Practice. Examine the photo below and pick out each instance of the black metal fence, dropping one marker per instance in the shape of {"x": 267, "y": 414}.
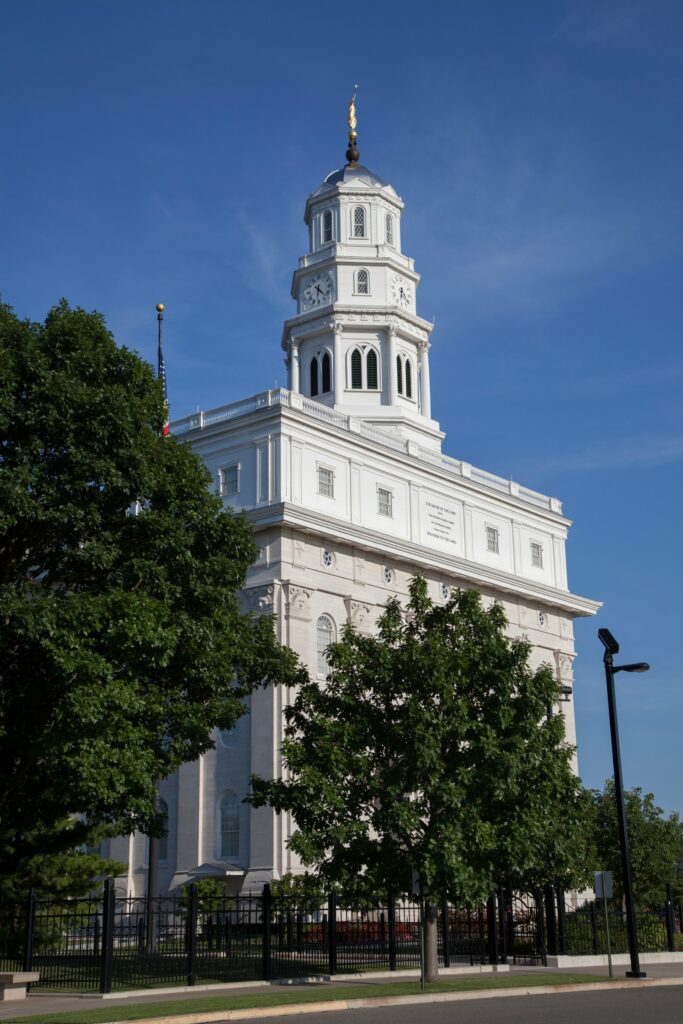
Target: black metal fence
{"x": 114, "y": 943}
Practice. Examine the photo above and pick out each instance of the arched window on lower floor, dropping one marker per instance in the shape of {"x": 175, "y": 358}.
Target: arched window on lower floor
{"x": 325, "y": 635}
{"x": 371, "y": 368}
{"x": 314, "y": 376}
{"x": 163, "y": 840}
{"x": 229, "y": 825}
{"x": 326, "y": 373}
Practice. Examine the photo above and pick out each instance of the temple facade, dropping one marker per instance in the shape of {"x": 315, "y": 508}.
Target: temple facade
{"x": 344, "y": 480}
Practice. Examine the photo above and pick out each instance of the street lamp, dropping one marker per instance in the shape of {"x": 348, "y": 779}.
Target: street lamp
{"x": 611, "y": 648}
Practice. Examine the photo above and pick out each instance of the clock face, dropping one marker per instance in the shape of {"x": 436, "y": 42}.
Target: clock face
{"x": 318, "y": 291}
{"x": 401, "y": 292}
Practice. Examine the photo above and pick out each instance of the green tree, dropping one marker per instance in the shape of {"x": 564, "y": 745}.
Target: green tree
{"x": 121, "y": 636}
{"x": 430, "y": 748}
{"x": 654, "y": 843}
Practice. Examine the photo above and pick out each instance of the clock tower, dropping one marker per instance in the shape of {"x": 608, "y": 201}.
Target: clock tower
{"x": 356, "y": 343}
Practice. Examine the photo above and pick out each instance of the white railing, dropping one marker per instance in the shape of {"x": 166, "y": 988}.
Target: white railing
{"x": 280, "y": 396}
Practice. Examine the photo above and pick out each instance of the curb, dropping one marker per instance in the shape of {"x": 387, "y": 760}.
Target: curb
{"x": 298, "y": 1009}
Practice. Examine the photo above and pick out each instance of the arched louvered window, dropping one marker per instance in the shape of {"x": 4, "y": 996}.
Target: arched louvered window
{"x": 229, "y": 819}
{"x": 314, "y": 376}
{"x": 371, "y": 368}
{"x": 356, "y": 369}
{"x": 324, "y": 637}
{"x": 399, "y": 374}
{"x": 163, "y": 840}
{"x": 389, "y": 221}
{"x": 362, "y": 282}
{"x": 359, "y": 222}
{"x": 327, "y": 226}
{"x": 409, "y": 379}
{"x": 326, "y": 373}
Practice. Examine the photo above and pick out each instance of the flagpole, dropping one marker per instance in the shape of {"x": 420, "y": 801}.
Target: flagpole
{"x": 153, "y": 841}
{"x": 161, "y": 369}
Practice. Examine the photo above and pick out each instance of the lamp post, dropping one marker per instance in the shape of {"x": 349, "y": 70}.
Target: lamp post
{"x": 611, "y": 648}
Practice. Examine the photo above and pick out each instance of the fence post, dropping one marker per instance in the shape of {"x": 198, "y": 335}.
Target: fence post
{"x": 502, "y": 920}
{"x": 492, "y": 938}
{"x": 445, "y": 936}
{"x": 266, "y": 911}
{"x": 391, "y": 921}
{"x": 594, "y": 928}
{"x": 107, "y": 954}
{"x": 670, "y": 921}
{"x": 561, "y": 922}
{"x": 332, "y": 931}
{"x": 551, "y": 920}
{"x": 29, "y": 930}
{"x": 540, "y": 926}
{"x": 192, "y": 916}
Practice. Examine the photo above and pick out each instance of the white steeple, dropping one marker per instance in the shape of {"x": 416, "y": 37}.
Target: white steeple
{"x": 356, "y": 342}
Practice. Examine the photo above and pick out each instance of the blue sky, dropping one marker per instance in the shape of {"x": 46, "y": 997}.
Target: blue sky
{"x": 164, "y": 151}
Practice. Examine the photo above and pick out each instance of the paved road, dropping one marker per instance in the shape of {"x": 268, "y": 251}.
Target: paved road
{"x": 635, "y": 1006}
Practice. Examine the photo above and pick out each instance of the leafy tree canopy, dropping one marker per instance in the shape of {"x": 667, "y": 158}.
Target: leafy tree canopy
{"x": 120, "y": 634}
{"x": 430, "y": 747}
{"x": 655, "y": 843}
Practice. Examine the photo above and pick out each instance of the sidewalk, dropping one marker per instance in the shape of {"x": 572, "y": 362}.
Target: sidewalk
{"x": 38, "y": 1005}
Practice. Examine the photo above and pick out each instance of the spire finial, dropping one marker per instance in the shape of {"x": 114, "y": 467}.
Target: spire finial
{"x": 352, "y": 154}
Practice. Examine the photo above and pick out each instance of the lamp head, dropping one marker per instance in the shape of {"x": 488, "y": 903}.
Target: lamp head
{"x": 638, "y": 666}
{"x": 608, "y": 641}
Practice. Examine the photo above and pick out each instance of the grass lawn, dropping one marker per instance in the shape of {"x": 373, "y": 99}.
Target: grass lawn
{"x": 210, "y": 1004}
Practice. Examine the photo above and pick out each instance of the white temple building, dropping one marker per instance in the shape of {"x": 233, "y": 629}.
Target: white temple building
{"x": 343, "y": 477}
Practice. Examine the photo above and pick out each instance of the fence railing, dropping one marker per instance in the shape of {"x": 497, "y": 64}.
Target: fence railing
{"x": 105, "y": 944}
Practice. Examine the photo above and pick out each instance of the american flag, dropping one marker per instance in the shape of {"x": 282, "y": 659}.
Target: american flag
{"x": 161, "y": 373}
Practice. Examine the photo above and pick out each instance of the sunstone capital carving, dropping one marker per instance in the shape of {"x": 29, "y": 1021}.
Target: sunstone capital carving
{"x": 564, "y": 666}
{"x": 358, "y": 613}
{"x": 298, "y": 602}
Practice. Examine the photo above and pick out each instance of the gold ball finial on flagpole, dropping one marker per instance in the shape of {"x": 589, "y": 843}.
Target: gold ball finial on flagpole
{"x": 160, "y": 307}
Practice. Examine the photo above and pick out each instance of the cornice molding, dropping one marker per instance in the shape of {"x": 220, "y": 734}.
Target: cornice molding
{"x": 412, "y": 553}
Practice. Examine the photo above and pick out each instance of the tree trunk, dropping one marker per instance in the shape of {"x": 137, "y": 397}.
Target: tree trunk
{"x": 431, "y": 942}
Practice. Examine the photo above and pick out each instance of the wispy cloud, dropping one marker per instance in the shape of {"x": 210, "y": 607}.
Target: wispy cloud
{"x": 625, "y": 454}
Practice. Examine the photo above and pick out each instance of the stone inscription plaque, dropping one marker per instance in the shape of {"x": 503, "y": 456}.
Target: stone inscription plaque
{"x": 439, "y": 523}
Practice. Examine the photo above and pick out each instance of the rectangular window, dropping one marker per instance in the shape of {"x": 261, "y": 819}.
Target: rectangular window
{"x": 492, "y": 540}
{"x": 537, "y": 555}
{"x": 384, "y": 502}
{"x": 326, "y": 482}
{"x": 230, "y": 480}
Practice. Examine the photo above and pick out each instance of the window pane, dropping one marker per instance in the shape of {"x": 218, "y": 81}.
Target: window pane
{"x": 399, "y": 374}
{"x": 362, "y": 282}
{"x": 324, "y": 637}
{"x": 537, "y": 555}
{"x": 390, "y": 229}
{"x": 325, "y": 482}
{"x": 327, "y": 375}
{"x": 230, "y": 826}
{"x": 409, "y": 379}
{"x": 384, "y": 501}
{"x": 230, "y": 480}
{"x": 314, "y": 376}
{"x": 372, "y": 368}
{"x": 491, "y": 539}
{"x": 356, "y": 369}
{"x": 327, "y": 226}
{"x": 359, "y": 222}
